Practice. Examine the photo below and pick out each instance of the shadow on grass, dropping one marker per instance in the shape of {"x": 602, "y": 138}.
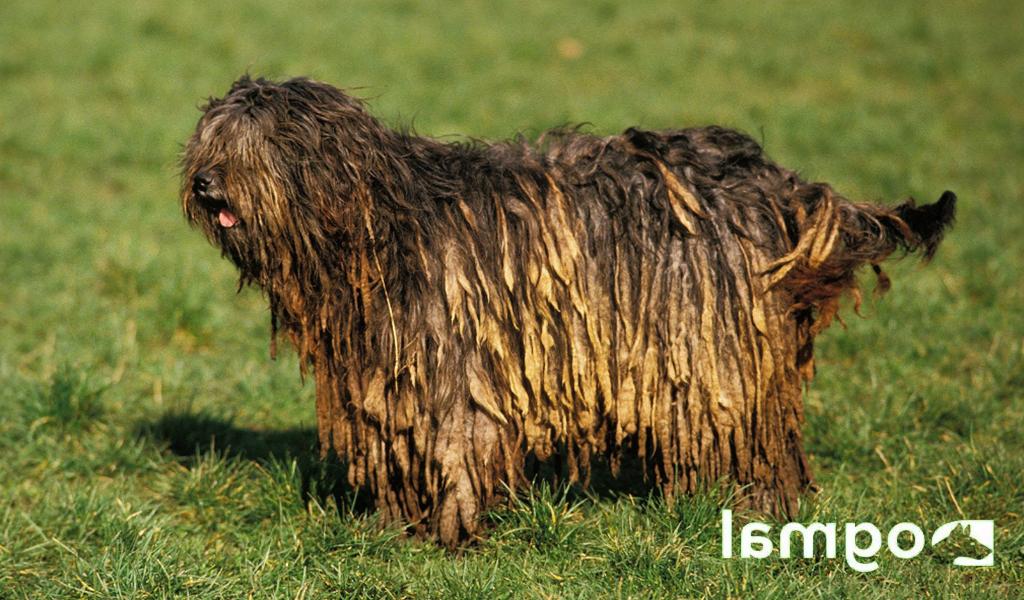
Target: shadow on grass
{"x": 188, "y": 435}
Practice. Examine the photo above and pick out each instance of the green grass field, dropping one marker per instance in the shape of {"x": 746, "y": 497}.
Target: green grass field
{"x": 149, "y": 447}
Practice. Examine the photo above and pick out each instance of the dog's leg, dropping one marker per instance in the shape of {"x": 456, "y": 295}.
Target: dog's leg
{"x": 471, "y": 457}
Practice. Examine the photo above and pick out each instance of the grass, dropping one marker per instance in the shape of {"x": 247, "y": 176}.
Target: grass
{"x": 150, "y": 448}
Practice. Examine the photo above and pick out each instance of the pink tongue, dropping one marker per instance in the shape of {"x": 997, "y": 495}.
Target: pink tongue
{"x": 227, "y": 218}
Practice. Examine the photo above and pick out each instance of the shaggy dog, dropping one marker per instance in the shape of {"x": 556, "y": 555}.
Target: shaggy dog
{"x": 469, "y": 309}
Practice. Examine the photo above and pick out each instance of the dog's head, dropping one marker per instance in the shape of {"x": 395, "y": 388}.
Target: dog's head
{"x": 274, "y": 170}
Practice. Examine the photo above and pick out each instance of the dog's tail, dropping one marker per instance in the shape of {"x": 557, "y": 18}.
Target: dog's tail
{"x": 834, "y": 237}
{"x": 927, "y": 224}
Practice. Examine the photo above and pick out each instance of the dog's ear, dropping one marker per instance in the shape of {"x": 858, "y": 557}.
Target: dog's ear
{"x": 645, "y": 141}
{"x": 243, "y": 82}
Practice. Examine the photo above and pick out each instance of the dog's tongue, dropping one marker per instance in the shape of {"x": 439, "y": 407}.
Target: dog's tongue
{"x": 227, "y": 218}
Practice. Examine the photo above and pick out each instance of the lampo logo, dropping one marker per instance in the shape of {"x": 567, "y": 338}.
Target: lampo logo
{"x": 904, "y": 540}
{"x": 981, "y": 532}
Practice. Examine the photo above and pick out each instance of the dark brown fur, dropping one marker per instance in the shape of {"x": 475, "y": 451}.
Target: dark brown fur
{"x": 465, "y": 307}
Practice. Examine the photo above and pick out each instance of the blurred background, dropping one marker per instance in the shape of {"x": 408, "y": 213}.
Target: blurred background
{"x": 150, "y": 447}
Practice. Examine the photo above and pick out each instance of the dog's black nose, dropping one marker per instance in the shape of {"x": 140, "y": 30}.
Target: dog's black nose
{"x": 201, "y": 183}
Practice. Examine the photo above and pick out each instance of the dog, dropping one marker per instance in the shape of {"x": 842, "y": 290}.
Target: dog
{"x": 470, "y": 309}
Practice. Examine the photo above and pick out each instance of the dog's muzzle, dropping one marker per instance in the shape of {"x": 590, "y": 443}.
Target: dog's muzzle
{"x": 206, "y": 196}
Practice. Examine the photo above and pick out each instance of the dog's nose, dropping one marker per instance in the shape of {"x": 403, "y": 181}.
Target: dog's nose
{"x": 201, "y": 183}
